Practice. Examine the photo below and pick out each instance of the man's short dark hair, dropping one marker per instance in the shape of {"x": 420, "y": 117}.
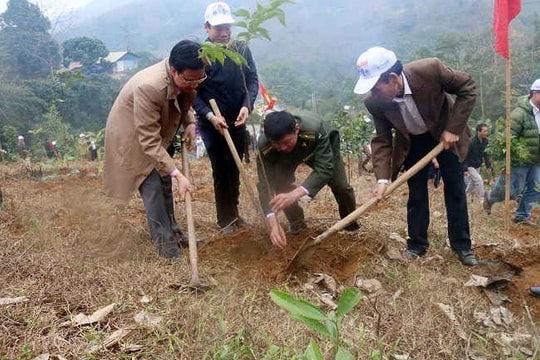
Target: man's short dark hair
{"x": 479, "y": 127}
{"x": 397, "y": 68}
{"x": 185, "y": 55}
{"x": 278, "y": 124}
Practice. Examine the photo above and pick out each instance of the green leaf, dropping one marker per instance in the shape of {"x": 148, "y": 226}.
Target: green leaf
{"x": 333, "y": 333}
{"x": 313, "y": 352}
{"x": 241, "y": 24}
{"x": 281, "y": 16}
{"x": 242, "y": 13}
{"x": 314, "y": 325}
{"x": 234, "y": 56}
{"x": 244, "y": 35}
{"x": 343, "y": 354}
{"x": 264, "y": 33}
{"x": 348, "y": 300}
{"x": 297, "y": 307}
{"x": 375, "y": 355}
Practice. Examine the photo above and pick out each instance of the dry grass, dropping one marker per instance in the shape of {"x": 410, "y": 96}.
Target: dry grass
{"x": 69, "y": 251}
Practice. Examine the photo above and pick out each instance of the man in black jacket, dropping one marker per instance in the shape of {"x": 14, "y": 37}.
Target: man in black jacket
{"x": 475, "y": 157}
{"x": 234, "y": 88}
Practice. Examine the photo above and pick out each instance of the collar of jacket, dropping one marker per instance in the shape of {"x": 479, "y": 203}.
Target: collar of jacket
{"x": 171, "y": 87}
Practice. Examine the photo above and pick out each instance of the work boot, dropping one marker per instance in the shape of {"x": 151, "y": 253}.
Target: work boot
{"x": 297, "y": 227}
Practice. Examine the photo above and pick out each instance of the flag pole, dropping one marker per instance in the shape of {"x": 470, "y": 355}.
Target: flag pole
{"x": 508, "y": 135}
{"x": 504, "y": 12}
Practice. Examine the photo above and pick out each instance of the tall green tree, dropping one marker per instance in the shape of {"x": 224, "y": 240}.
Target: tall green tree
{"x": 19, "y": 106}
{"x": 84, "y": 49}
{"x": 28, "y": 49}
{"x": 88, "y": 100}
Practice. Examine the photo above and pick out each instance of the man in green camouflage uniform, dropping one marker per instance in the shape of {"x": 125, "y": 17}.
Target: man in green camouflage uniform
{"x": 289, "y": 140}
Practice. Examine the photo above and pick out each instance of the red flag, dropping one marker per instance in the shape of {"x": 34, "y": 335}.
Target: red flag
{"x": 505, "y": 11}
{"x": 266, "y": 97}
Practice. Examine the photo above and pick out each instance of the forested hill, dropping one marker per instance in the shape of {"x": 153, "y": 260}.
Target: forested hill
{"x": 317, "y": 31}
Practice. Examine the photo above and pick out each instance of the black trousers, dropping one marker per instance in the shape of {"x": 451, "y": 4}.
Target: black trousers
{"x": 156, "y": 193}
{"x": 224, "y": 171}
{"x": 454, "y": 197}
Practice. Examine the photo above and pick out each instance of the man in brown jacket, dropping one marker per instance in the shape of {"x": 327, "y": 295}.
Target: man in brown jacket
{"x": 413, "y": 110}
{"x": 139, "y": 139}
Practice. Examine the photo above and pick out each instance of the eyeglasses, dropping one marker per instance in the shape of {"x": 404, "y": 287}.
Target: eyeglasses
{"x": 193, "y": 82}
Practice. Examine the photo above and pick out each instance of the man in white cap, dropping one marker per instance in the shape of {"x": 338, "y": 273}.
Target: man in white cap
{"x": 22, "y": 150}
{"x": 234, "y": 88}
{"x": 413, "y": 110}
{"x": 524, "y": 174}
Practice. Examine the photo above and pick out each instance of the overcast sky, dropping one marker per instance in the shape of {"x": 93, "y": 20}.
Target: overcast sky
{"x": 51, "y": 7}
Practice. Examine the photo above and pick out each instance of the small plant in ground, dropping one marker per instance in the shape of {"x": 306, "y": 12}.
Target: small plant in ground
{"x": 238, "y": 348}
{"x": 315, "y": 318}
{"x": 26, "y": 352}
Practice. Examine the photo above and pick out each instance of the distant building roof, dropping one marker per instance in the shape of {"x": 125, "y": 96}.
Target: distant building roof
{"x": 114, "y": 56}
{"x": 75, "y": 65}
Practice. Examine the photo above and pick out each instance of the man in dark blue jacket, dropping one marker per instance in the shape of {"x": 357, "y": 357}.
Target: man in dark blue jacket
{"x": 234, "y": 88}
{"x": 475, "y": 157}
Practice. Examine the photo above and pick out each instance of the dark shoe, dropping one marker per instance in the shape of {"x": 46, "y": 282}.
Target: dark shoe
{"x": 466, "y": 257}
{"x": 229, "y": 229}
{"x": 297, "y": 227}
{"x": 352, "y": 226}
{"x": 167, "y": 249}
{"x": 487, "y": 204}
{"x": 525, "y": 222}
{"x": 412, "y": 254}
{"x": 535, "y": 291}
{"x": 242, "y": 222}
{"x": 169, "y": 252}
{"x": 183, "y": 240}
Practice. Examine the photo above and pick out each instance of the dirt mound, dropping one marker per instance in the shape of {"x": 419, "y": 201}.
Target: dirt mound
{"x": 249, "y": 250}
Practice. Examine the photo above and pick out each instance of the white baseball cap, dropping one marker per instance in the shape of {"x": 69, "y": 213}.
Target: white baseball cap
{"x": 20, "y": 137}
{"x": 536, "y": 85}
{"x": 370, "y": 65}
{"x": 218, "y": 13}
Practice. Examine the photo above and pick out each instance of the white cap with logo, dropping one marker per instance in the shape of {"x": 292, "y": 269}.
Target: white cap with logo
{"x": 370, "y": 65}
{"x": 536, "y": 85}
{"x": 218, "y": 13}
